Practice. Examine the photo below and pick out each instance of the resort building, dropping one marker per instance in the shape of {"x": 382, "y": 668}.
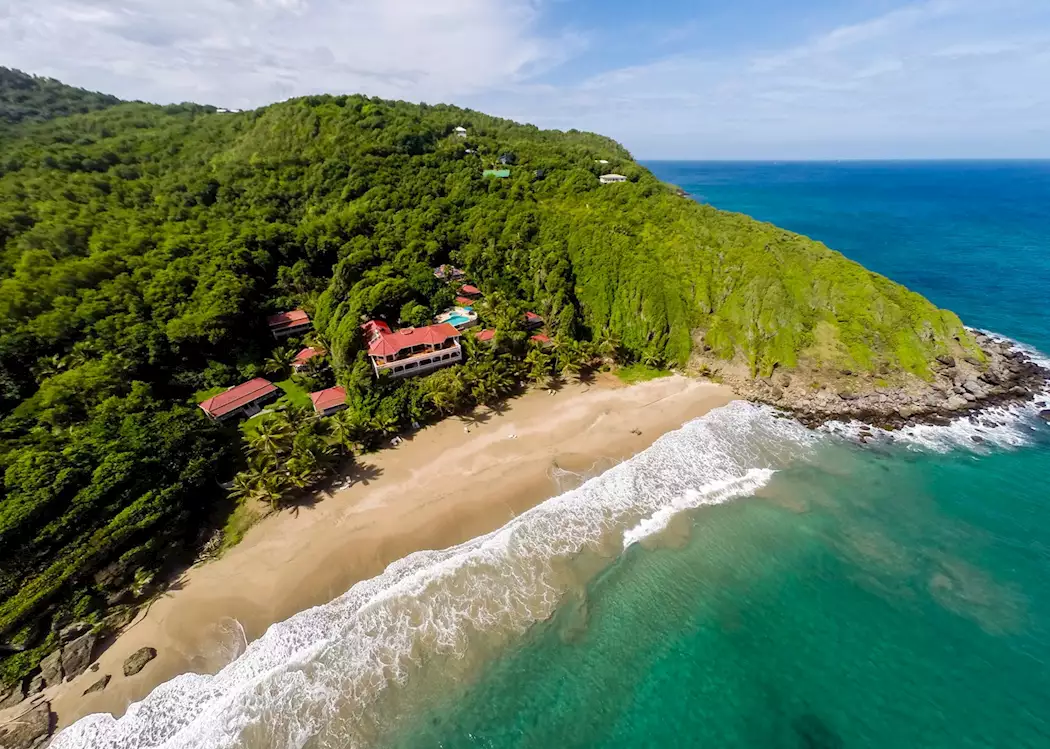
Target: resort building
{"x": 462, "y": 301}
{"x": 460, "y": 317}
{"x": 484, "y": 336}
{"x": 303, "y": 357}
{"x": 541, "y": 339}
{"x": 289, "y": 323}
{"x": 413, "y": 351}
{"x": 448, "y": 273}
{"x": 471, "y": 292}
{"x": 609, "y": 179}
{"x": 460, "y": 132}
{"x": 373, "y": 329}
{"x": 533, "y": 321}
{"x": 330, "y": 401}
{"x": 245, "y": 400}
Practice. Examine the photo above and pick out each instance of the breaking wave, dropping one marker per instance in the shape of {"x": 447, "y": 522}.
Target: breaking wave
{"x": 318, "y": 676}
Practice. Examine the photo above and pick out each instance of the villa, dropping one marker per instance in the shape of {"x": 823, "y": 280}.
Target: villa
{"x": 609, "y": 179}
{"x": 541, "y": 339}
{"x": 303, "y": 357}
{"x": 246, "y": 399}
{"x": 532, "y": 321}
{"x": 461, "y": 132}
{"x": 471, "y": 292}
{"x": 329, "y": 401}
{"x": 413, "y": 351}
{"x": 373, "y": 329}
{"x": 289, "y": 323}
{"x": 485, "y": 336}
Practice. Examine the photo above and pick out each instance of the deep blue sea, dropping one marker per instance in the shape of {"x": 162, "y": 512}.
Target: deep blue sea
{"x": 743, "y": 584}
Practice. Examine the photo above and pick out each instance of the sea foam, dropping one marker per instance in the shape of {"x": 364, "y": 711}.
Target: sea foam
{"x": 315, "y": 678}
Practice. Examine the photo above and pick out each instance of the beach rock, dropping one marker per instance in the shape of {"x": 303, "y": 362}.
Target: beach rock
{"x": 948, "y": 361}
{"x": 99, "y": 685}
{"x": 73, "y": 631}
{"x": 974, "y": 387}
{"x": 955, "y": 403}
{"x": 972, "y": 360}
{"x": 13, "y": 696}
{"x": 30, "y": 731}
{"x": 77, "y": 655}
{"x": 138, "y": 660}
{"x": 36, "y": 685}
{"x": 1044, "y": 415}
{"x": 51, "y": 668}
{"x": 978, "y": 440}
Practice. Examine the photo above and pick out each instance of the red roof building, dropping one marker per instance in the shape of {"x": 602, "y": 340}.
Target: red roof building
{"x": 468, "y": 290}
{"x": 463, "y": 301}
{"x": 540, "y": 339}
{"x": 246, "y": 399}
{"x": 300, "y": 360}
{"x": 330, "y": 401}
{"x": 289, "y": 323}
{"x": 414, "y": 350}
{"x": 485, "y": 336}
{"x": 532, "y": 320}
{"x": 373, "y": 329}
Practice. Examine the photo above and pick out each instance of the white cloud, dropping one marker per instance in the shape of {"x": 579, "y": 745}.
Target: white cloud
{"x": 943, "y": 78}
{"x": 251, "y": 52}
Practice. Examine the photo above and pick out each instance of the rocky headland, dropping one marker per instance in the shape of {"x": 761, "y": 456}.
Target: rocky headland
{"x": 960, "y": 386}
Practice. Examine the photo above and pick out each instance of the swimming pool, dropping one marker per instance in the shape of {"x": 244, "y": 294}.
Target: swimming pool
{"x": 457, "y": 320}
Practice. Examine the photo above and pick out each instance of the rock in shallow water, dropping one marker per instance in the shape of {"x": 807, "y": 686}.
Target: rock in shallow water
{"x": 138, "y": 660}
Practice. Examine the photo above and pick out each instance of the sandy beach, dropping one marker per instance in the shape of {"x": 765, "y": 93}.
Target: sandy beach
{"x": 443, "y": 485}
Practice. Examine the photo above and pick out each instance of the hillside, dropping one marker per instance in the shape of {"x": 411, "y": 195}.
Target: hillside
{"x": 141, "y": 248}
{"x": 30, "y": 98}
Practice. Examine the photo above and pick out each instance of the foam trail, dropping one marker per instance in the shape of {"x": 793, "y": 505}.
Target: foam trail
{"x": 716, "y": 493}
{"x": 316, "y": 678}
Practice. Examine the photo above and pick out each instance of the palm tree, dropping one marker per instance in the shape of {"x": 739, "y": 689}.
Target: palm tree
{"x": 271, "y": 490}
{"x": 244, "y": 486}
{"x": 271, "y": 438}
{"x": 609, "y": 346}
{"x": 280, "y": 360}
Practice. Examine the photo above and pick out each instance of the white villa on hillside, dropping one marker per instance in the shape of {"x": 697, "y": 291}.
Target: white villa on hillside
{"x": 609, "y": 179}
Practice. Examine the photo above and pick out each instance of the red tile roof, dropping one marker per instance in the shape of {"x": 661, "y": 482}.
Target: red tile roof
{"x": 330, "y": 398}
{"x": 237, "y": 397}
{"x": 389, "y": 344}
{"x": 306, "y": 355}
{"x": 532, "y": 317}
{"x": 374, "y": 328}
{"x": 462, "y": 301}
{"x": 470, "y": 290}
{"x": 288, "y": 319}
{"x": 485, "y": 335}
{"x": 540, "y": 338}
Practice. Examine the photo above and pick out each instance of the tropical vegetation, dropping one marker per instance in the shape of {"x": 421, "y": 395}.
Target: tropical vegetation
{"x": 142, "y": 247}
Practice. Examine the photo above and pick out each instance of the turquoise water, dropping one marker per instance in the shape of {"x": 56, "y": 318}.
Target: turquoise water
{"x": 744, "y": 583}
{"x": 458, "y": 320}
{"x": 895, "y": 597}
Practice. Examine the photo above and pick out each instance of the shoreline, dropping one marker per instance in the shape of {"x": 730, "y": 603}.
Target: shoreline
{"x": 444, "y": 485}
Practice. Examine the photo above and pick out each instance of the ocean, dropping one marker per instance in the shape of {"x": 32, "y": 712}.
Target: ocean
{"x": 745, "y": 582}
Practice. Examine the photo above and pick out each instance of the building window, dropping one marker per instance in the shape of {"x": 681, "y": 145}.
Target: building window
{"x": 399, "y": 369}
{"x": 413, "y": 365}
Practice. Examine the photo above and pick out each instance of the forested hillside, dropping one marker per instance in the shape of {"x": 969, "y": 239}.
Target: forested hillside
{"x": 25, "y": 98}
{"x": 141, "y": 248}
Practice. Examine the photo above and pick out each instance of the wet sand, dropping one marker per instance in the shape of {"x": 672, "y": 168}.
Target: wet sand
{"x": 442, "y": 486}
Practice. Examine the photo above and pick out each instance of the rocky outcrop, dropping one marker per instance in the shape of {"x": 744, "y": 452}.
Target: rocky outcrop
{"x": 99, "y": 685}
{"x": 959, "y": 386}
{"x": 12, "y": 696}
{"x": 30, "y": 730}
{"x": 76, "y": 656}
{"x": 138, "y": 660}
{"x": 51, "y": 669}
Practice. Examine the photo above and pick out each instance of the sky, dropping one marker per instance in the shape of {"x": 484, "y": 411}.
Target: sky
{"x": 706, "y": 79}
